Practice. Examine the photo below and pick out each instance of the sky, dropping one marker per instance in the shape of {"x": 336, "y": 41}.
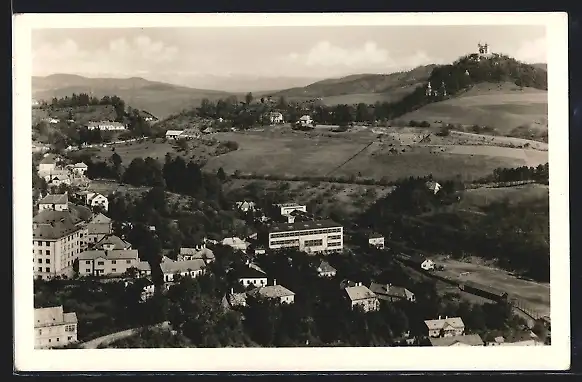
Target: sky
{"x": 181, "y": 55}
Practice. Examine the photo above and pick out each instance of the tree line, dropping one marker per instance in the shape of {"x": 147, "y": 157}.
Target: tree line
{"x": 84, "y": 99}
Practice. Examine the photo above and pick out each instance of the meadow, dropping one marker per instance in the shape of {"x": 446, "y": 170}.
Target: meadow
{"x": 504, "y": 107}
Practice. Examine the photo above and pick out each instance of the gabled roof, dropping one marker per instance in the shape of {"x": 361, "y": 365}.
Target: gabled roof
{"x": 250, "y": 273}
{"x": 80, "y": 165}
{"x": 116, "y": 241}
{"x": 271, "y": 291}
{"x": 236, "y": 299}
{"x": 100, "y": 219}
{"x": 325, "y": 267}
{"x": 483, "y": 287}
{"x": 53, "y": 316}
{"x": 388, "y": 290}
{"x": 53, "y": 225}
{"x": 375, "y": 235}
{"x": 181, "y": 266}
{"x": 129, "y": 254}
{"x": 55, "y": 199}
{"x": 174, "y": 132}
{"x": 203, "y": 253}
{"x": 233, "y": 241}
{"x": 305, "y": 118}
{"x": 468, "y": 340}
{"x": 359, "y": 292}
{"x": 49, "y": 159}
{"x": 95, "y": 196}
{"x": 455, "y": 322}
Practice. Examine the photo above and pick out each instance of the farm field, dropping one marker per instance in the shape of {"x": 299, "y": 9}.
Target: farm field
{"x": 292, "y": 153}
{"x": 129, "y": 151}
{"x": 535, "y": 294}
{"x": 368, "y": 98}
{"x": 481, "y": 197}
{"x": 502, "y": 107}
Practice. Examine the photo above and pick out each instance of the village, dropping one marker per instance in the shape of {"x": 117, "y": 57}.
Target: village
{"x": 75, "y": 240}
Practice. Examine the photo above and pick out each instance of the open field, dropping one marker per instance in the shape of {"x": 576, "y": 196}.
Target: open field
{"x": 360, "y": 152}
{"x": 368, "y": 98}
{"x": 481, "y": 197}
{"x": 503, "y": 107}
{"x": 294, "y": 153}
{"x": 535, "y": 294}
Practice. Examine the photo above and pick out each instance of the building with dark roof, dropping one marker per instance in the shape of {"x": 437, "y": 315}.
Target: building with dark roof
{"x": 57, "y": 241}
{"x": 251, "y": 276}
{"x": 462, "y": 340}
{"x": 112, "y": 242}
{"x": 483, "y": 290}
{"x": 310, "y": 236}
{"x": 56, "y": 202}
{"x": 389, "y": 292}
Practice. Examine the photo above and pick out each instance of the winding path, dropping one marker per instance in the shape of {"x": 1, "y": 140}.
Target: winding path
{"x": 113, "y": 337}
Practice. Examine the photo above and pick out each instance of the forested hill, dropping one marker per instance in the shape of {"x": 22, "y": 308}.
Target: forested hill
{"x": 466, "y": 72}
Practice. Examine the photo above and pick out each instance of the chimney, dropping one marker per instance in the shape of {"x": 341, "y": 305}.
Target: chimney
{"x": 274, "y": 281}
{"x": 231, "y": 290}
{"x": 446, "y": 317}
{"x": 440, "y": 318}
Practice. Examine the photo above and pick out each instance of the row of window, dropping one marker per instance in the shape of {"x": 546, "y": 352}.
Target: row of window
{"x": 313, "y": 243}
{"x": 305, "y": 233}
{"x": 103, "y": 263}
{"x": 334, "y": 237}
{"x": 285, "y": 242}
{"x": 334, "y": 244}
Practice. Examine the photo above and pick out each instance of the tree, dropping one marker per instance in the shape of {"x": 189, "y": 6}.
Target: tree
{"x": 221, "y": 175}
{"x": 249, "y": 98}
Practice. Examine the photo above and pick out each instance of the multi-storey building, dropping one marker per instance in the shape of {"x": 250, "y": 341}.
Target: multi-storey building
{"x": 54, "y": 328}
{"x": 107, "y": 263}
{"x": 55, "y": 202}
{"x": 309, "y": 236}
{"x": 57, "y": 241}
{"x": 287, "y": 208}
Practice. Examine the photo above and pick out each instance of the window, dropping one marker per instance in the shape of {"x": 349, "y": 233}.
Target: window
{"x": 69, "y": 328}
{"x": 113, "y": 270}
{"x": 40, "y": 251}
{"x": 113, "y": 262}
{"x": 40, "y": 261}
{"x": 128, "y": 261}
{"x": 47, "y": 261}
{"x": 46, "y": 243}
{"x": 40, "y": 269}
{"x": 87, "y": 270}
{"x": 48, "y": 269}
{"x": 39, "y": 243}
{"x": 49, "y": 340}
{"x": 47, "y": 252}
{"x": 58, "y": 339}
{"x": 100, "y": 263}
{"x": 88, "y": 262}
{"x": 69, "y": 338}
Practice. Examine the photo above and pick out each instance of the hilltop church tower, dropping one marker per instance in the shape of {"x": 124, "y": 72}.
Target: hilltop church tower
{"x": 428, "y": 90}
{"x": 484, "y": 50}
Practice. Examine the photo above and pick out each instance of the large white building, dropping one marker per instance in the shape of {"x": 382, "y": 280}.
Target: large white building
{"x": 57, "y": 241}
{"x": 309, "y": 236}
{"x": 54, "y": 328}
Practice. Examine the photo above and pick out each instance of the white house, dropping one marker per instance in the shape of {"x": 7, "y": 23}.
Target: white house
{"x": 376, "y": 240}
{"x": 173, "y": 134}
{"x": 273, "y": 292}
{"x": 55, "y": 202}
{"x": 252, "y": 276}
{"x": 80, "y": 168}
{"x": 94, "y": 199}
{"x": 235, "y": 243}
{"x": 54, "y": 120}
{"x": 427, "y": 265}
{"x": 360, "y": 295}
{"x": 47, "y": 165}
{"x": 445, "y": 327}
{"x": 326, "y": 270}
{"x": 276, "y": 117}
{"x": 305, "y": 120}
{"x": 187, "y": 268}
{"x": 58, "y": 177}
{"x": 434, "y": 187}
{"x": 245, "y": 206}
{"x": 54, "y": 328}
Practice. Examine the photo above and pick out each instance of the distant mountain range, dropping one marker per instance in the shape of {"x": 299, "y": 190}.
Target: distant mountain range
{"x": 164, "y": 98}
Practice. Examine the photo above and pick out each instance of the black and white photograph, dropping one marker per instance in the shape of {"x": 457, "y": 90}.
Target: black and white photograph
{"x": 240, "y": 191}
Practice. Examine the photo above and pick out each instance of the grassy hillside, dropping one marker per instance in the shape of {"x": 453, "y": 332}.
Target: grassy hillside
{"x": 508, "y": 108}
{"x": 360, "y": 84}
{"x": 159, "y": 98}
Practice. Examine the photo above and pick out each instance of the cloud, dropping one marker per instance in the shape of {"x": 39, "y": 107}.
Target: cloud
{"x": 120, "y": 56}
{"x": 533, "y": 51}
{"x": 325, "y": 57}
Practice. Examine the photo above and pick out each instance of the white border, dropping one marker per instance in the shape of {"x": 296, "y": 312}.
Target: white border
{"x": 554, "y": 357}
